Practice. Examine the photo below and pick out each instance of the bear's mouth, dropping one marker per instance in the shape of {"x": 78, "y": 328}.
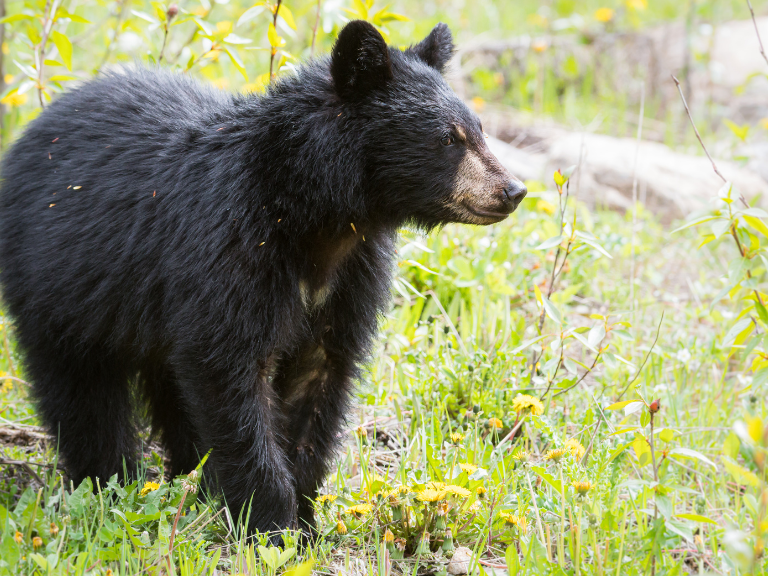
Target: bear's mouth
{"x": 491, "y": 216}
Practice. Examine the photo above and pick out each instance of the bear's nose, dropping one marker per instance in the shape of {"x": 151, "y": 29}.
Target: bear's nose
{"x": 514, "y": 192}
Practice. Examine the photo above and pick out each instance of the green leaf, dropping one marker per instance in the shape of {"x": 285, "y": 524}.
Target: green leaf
{"x": 696, "y": 518}
{"x": 757, "y": 224}
{"x": 741, "y": 474}
{"x": 287, "y": 16}
{"x": 15, "y": 18}
{"x": 64, "y": 47}
{"x": 739, "y": 131}
{"x": 735, "y": 330}
{"x": 250, "y": 14}
{"x": 688, "y": 453}
{"x": 235, "y": 57}
{"x": 526, "y": 344}
{"x": 552, "y": 310}
{"x": 550, "y": 242}
{"x": 620, "y": 405}
{"x": 696, "y": 222}
{"x": 274, "y": 38}
{"x": 548, "y": 478}
{"x": 303, "y": 569}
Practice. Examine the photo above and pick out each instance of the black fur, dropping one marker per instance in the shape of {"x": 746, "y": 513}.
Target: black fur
{"x": 233, "y": 251}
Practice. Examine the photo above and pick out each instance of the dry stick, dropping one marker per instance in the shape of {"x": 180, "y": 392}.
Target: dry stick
{"x": 742, "y": 251}
{"x": 757, "y": 32}
{"x": 698, "y": 136}
{"x": 47, "y": 25}
{"x": 314, "y": 28}
{"x": 165, "y": 39}
{"x": 564, "y": 390}
{"x": 273, "y": 50}
{"x": 639, "y": 370}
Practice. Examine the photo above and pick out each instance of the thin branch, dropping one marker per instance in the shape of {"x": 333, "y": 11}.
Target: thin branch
{"x": 118, "y": 25}
{"x": 698, "y": 136}
{"x": 273, "y": 51}
{"x": 639, "y": 370}
{"x": 579, "y": 381}
{"x": 757, "y": 32}
{"x": 48, "y": 13}
{"x": 314, "y": 28}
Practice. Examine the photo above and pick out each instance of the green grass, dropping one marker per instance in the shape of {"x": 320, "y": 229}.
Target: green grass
{"x": 452, "y": 361}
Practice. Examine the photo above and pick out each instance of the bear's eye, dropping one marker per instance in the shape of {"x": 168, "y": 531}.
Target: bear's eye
{"x": 446, "y": 141}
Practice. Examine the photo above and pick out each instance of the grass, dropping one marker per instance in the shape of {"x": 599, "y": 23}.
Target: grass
{"x": 443, "y": 450}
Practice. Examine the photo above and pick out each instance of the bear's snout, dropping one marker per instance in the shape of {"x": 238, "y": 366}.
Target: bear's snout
{"x": 513, "y": 194}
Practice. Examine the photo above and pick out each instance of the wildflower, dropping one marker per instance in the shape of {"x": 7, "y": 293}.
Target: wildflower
{"x": 525, "y": 403}
{"x": 457, "y": 437}
{"x": 604, "y": 14}
{"x": 575, "y": 448}
{"x": 359, "y": 509}
{"x": 8, "y": 78}
{"x": 37, "y": 541}
{"x": 474, "y": 507}
{"x": 520, "y": 522}
{"x": 441, "y": 513}
{"x": 521, "y": 456}
{"x": 326, "y": 499}
{"x": 341, "y": 528}
{"x": 149, "y": 487}
{"x": 54, "y": 530}
{"x": 539, "y": 45}
{"x": 636, "y": 4}
{"x": 18, "y": 537}
{"x": 14, "y": 99}
{"x": 495, "y": 423}
{"x": 389, "y": 538}
{"x": 478, "y": 103}
{"x": 468, "y": 468}
{"x": 555, "y": 454}
{"x": 459, "y": 491}
{"x": 481, "y": 491}
{"x": 361, "y": 432}
{"x": 108, "y": 572}
{"x": 431, "y": 495}
{"x": 582, "y": 487}
{"x": 655, "y": 406}
{"x": 190, "y": 482}
{"x": 546, "y": 207}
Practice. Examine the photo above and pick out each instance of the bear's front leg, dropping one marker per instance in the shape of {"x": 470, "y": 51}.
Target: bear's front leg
{"x": 314, "y": 384}
{"x": 238, "y": 418}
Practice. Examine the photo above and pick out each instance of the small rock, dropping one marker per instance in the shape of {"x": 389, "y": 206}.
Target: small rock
{"x": 459, "y": 564}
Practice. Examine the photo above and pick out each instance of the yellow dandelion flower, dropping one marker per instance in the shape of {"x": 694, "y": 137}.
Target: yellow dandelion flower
{"x": 457, "y": 437}
{"x": 14, "y": 99}
{"x": 468, "y": 468}
{"x": 481, "y": 491}
{"x": 546, "y": 207}
{"x": 478, "y": 103}
{"x": 582, "y": 487}
{"x": 636, "y": 4}
{"x": 520, "y": 522}
{"x": 431, "y": 495}
{"x": 539, "y": 45}
{"x": 388, "y": 537}
{"x": 359, "y": 509}
{"x": 341, "y": 528}
{"x": 526, "y": 403}
{"x": 149, "y": 487}
{"x": 18, "y": 537}
{"x": 459, "y": 491}
{"x": 555, "y": 454}
{"x": 37, "y": 541}
{"x": 764, "y": 123}
{"x": 326, "y": 499}
{"x": 604, "y": 14}
{"x": 575, "y": 448}
{"x": 54, "y": 530}
{"x": 521, "y": 456}
{"x": 495, "y": 423}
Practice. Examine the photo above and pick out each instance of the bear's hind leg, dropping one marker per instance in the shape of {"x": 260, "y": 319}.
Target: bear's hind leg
{"x": 170, "y": 419}
{"x": 85, "y": 403}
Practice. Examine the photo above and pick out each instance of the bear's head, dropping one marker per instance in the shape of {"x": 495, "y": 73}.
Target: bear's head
{"x": 425, "y": 151}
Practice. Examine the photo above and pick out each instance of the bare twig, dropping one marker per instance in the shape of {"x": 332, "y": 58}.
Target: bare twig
{"x": 579, "y": 381}
{"x": 116, "y": 35}
{"x": 48, "y": 12}
{"x": 273, "y": 50}
{"x": 757, "y": 32}
{"x": 634, "y": 197}
{"x": 698, "y": 136}
{"x": 314, "y": 28}
{"x": 639, "y": 370}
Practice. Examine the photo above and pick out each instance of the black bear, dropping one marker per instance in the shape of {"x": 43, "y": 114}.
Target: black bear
{"x": 230, "y": 256}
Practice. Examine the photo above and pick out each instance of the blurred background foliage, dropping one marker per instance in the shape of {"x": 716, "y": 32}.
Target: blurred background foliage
{"x": 51, "y": 45}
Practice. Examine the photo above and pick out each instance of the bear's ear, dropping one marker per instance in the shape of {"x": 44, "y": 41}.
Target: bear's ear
{"x": 436, "y": 49}
{"x": 360, "y": 60}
